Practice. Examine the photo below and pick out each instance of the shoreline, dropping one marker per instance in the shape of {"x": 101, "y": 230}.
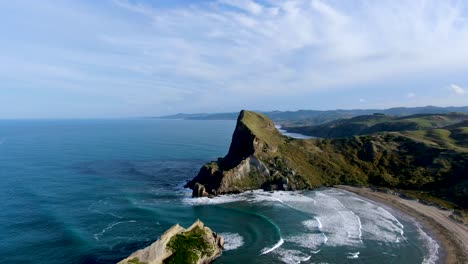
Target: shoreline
{"x": 453, "y": 236}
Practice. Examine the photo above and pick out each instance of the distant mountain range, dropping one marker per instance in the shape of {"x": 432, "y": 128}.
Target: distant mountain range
{"x": 315, "y": 117}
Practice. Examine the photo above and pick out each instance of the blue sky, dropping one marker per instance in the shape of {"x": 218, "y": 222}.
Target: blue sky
{"x": 122, "y": 58}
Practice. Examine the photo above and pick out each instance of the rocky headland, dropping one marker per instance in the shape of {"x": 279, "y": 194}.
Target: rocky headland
{"x": 197, "y": 244}
{"x": 431, "y": 161}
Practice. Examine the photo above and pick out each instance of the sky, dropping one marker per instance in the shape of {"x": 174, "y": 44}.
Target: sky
{"x": 131, "y": 58}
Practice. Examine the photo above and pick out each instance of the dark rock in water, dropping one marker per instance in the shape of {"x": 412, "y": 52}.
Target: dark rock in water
{"x": 199, "y": 191}
{"x": 260, "y": 157}
{"x": 194, "y": 245}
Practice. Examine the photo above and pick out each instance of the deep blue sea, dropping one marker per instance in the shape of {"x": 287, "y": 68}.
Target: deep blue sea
{"x": 94, "y": 191}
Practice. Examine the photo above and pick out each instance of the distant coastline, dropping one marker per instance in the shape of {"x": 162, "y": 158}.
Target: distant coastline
{"x": 452, "y": 235}
{"x": 293, "y": 135}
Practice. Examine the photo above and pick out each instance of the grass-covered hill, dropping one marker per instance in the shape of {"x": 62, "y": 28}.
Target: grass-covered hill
{"x": 315, "y": 117}
{"x": 431, "y": 162}
{"x": 368, "y": 124}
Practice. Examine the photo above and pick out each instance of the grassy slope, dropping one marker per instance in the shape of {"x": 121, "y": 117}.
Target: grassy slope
{"x": 188, "y": 247}
{"x": 369, "y": 124}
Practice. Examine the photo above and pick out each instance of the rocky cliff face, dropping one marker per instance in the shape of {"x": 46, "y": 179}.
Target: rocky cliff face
{"x": 194, "y": 245}
{"x": 260, "y": 157}
{"x": 248, "y": 164}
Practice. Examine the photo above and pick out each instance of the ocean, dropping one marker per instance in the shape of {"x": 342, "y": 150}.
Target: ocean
{"x": 94, "y": 191}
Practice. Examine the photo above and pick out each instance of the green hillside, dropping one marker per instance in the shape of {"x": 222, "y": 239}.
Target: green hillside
{"x": 368, "y": 124}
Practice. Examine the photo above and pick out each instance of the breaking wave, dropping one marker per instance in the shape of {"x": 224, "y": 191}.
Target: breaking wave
{"x": 337, "y": 218}
{"x": 232, "y": 240}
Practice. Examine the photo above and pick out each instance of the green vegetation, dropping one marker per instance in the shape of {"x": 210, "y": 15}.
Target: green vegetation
{"x": 136, "y": 261}
{"x": 368, "y": 124}
{"x": 432, "y": 163}
{"x": 460, "y": 216}
{"x": 188, "y": 247}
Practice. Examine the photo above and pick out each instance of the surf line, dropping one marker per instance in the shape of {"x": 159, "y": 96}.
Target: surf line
{"x": 354, "y": 214}
{"x": 278, "y": 230}
{"x": 110, "y": 226}
{"x": 275, "y": 246}
{"x": 325, "y": 238}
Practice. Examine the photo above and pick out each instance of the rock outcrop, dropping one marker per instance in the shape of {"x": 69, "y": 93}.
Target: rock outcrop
{"x": 254, "y": 161}
{"x": 261, "y": 158}
{"x": 194, "y": 245}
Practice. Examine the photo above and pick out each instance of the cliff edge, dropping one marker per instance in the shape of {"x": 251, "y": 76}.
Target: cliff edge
{"x": 194, "y": 245}
{"x": 260, "y": 157}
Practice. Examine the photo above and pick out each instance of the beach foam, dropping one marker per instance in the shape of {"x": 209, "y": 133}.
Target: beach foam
{"x": 232, "y": 240}
{"x": 338, "y": 218}
{"x": 290, "y": 256}
{"x": 271, "y": 249}
{"x": 377, "y": 223}
{"x": 353, "y": 255}
{"x": 310, "y": 240}
{"x": 431, "y": 246}
{"x": 254, "y": 196}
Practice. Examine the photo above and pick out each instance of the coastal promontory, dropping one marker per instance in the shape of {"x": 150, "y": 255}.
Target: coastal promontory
{"x": 432, "y": 161}
{"x": 197, "y": 244}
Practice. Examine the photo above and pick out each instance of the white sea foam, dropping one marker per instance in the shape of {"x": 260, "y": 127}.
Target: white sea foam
{"x": 254, "y": 196}
{"x": 353, "y": 255}
{"x": 376, "y": 223}
{"x": 290, "y": 256}
{"x": 283, "y": 197}
{"x": 110, "y": 226}
{"x": 342, "y": 218}
{"x": 309, "y": 240}
{"x": 318, "y": 221}
{"x": 339, "y": 224}
{"x": 275, "y": 246}
{"x": 222, "y": 199}
{"x": 431, "y": 246}
{"x": 313, "y": 224}
{"x": 232, "y": 240}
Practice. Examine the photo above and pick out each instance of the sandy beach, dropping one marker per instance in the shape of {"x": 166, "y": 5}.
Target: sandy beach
{"x": 452, "y": 235}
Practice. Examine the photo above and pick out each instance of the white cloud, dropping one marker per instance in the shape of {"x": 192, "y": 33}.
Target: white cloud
{"x": 234, "y": 52}
{"x": 246, "y": 5}
{"x": 457, "y": 89}
{"x": 304, "y": 45}
{"x": 410, "y": 95}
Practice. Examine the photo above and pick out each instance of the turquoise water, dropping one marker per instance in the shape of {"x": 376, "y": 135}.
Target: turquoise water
{"x": 93, "y": 191}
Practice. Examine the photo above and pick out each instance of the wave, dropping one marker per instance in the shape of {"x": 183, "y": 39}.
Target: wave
{"x": 353, "y": 255}
{"x": 319, "y": 223}
{"x": 310, "y": 241}
{"x": 232, "y": 241}
{"x": 337, "y": 219}
{"x": 275, "y": 246}
{"x": 312, "y": 224}
{"x": 373, "y": 221}
{"x": 110, "y": 226}
{"x": 254, "y": 196}
{"x": 431, "y": 246}
{"x": 277, "y": 229}
{"x": 223, "y": 199}
{"x": 291, "y": 256}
